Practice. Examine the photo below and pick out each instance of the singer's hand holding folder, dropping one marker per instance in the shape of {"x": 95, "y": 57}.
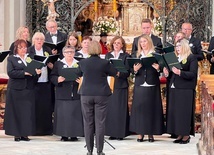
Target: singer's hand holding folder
{"x": 3, "y": 55}
{"x": 146, "y": 61}
{"x": 44, "y": 59}
{"x": 57, "y": 46}
{"x": 68, "y": 73}
{"x": 34, "y": 64}
{"x": 168, "y": 60}
{"x": 119, "y": 65}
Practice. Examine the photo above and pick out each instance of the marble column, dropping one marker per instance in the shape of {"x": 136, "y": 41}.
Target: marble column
{"x": 12, "y": 16}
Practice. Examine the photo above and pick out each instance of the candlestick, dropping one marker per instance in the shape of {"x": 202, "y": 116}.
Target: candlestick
{"x": 95, "y": 5}
{"x": 114, "y": 5}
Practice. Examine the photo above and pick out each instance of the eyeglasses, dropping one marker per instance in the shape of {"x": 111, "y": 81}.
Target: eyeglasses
{"x": 69, "y": 52}
{"x": 178, "y": 46}
{"x": 22, "y": 48}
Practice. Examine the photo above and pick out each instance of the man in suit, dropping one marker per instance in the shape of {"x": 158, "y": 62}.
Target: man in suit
{"x": 194, "y": 43}
{"x": 54, "y": 36}
{"x": 147, "y": 26}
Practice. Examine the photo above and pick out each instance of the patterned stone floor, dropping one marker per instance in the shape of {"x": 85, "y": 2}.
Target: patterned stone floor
{"x": 51, "y": 145}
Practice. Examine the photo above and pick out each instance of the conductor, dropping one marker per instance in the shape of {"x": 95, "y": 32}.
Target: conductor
{"x": 94, "y": 101}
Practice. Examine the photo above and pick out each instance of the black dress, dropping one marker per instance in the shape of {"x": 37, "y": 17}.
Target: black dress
{"x": 181, "y": 104}
{"x": 117, "y": 118}
{"x": 68, "y": 120}
{"x": 147, "y": 112}
{"x": 19, "y": 118}
{"x": 44, "y": 99}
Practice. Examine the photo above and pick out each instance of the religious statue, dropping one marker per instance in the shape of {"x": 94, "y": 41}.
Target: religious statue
{"x": 52, "y": 14}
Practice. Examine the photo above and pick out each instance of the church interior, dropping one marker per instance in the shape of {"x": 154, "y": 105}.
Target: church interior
{"x": 83, "y": 16}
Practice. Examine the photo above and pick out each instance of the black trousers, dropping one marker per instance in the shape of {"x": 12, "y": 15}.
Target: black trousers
{"x": 94, "y": 116}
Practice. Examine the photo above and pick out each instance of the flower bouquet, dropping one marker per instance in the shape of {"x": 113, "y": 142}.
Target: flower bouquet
{"x": 105, "y": 24}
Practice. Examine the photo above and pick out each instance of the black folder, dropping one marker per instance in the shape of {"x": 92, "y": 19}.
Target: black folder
{"x": 68, "y": 73}
{"x": 78, "y": 58}
{"x": 168, "y": 60}
{"x": 119, "y": 65}
{"x": 169, "y": 49}
{"x": 50, "y": 58}
{"x": 3, "y": 55}
{"x": 57, "y": 46}
{"x": 34, "y": 64}
{"x": 146, "y": 61}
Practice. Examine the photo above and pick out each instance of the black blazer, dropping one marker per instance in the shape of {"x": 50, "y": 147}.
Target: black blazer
{"x": 121, "y": 81}
{"x": 95, "y": 71}
{"x": 60, "y": 37}
{"x": 196, "y": 48}
{"x": 188, "y": 76}
{"x": 64, "y": 90}
{"x": 156, "y": 42}
{"x": 17, "y": 78}
{"x": 149, "y": 75}
{"x": 209, "y": 56}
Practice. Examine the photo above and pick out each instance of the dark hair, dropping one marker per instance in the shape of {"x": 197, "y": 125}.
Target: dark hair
{"x": 75, "y": 35}
{"x": 17, "y": 43}
{"x": 103, "y": 34}
{"x": 122, "y": 40}
{"x": 86, "y": 37}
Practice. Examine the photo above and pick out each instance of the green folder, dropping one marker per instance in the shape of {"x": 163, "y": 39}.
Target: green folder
{"x": 119, "y": 65}
{"x": 146, "y": 61}
{"x": 167, "y": 60}
{"x": 34, "y": 64}
{"x": 68, "y": 73}
{"x": 169, "y": 49}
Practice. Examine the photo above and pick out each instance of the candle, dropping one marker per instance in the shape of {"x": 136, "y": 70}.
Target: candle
{"x": 95, "y": 5}
{"x": 114, "y": 5}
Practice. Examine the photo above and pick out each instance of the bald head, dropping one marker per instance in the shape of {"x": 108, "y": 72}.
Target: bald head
{"x": 187, "y": 29}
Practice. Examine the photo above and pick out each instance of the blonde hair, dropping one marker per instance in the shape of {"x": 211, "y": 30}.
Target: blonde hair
{"x": 37, "y": 35}
{"x": 185, "y": 49}
{"x": 150, "y": 44}
{"x": 94, "y": 48}
{"x": 20, "y": 31}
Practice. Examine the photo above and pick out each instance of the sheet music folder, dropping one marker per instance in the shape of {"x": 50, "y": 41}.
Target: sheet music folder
{"x": 34, "y": 64}
{"x": 68, "y": 73}
{"x": 3, "y": 55}
{"x": 57, "y": 46}
{"x": 169, "y": 49}
{"x": 167, "y": 60}
{"x": 146, "y": 61}
{"x": 119, "y": 65}
{"x": 50, "y": 58}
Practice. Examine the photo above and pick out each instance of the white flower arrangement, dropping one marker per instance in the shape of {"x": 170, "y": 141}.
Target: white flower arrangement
{"x": 158, "y": 26}
{"x": 105, "y": 24}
